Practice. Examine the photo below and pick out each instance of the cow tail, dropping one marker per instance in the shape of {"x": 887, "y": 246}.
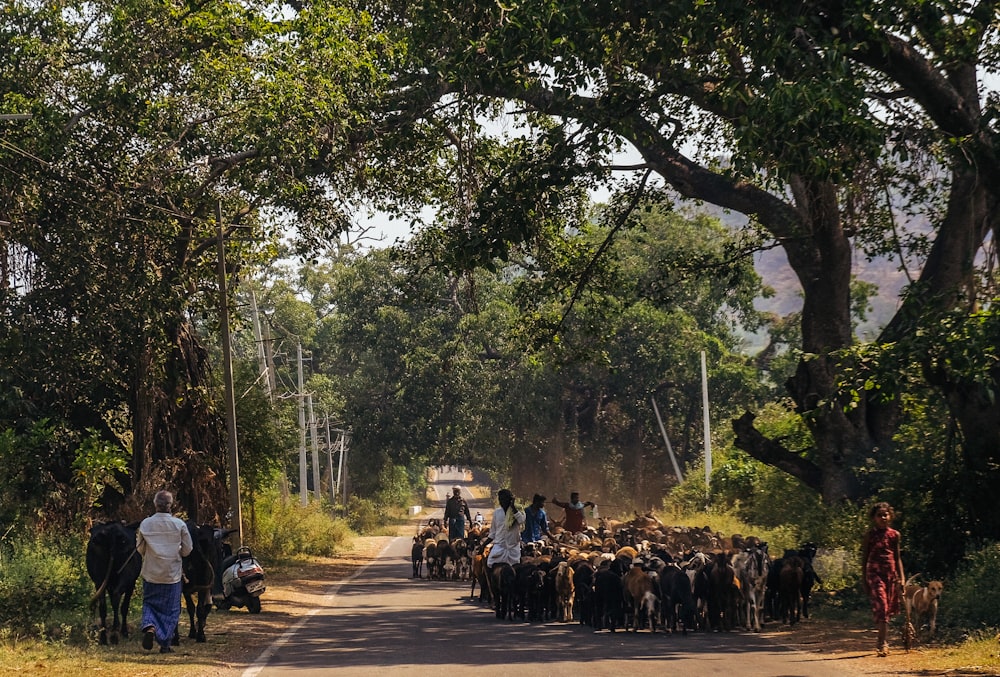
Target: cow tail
{"x": 103, "y": 586}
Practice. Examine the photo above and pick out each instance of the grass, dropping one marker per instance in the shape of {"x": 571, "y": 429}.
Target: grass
{"x": 981, "y": 651}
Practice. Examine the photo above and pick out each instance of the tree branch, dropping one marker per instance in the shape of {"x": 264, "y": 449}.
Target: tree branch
{"x": 771, "y": 452}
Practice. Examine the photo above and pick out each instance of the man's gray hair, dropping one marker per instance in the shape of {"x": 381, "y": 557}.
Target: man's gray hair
{"x": 163, "y": 500}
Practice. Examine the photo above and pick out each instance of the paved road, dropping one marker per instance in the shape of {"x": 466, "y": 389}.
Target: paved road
{"x": 383, "y": 620}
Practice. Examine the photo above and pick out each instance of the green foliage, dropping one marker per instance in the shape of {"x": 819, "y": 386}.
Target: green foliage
{"x": 284, "y": 528}
{"x": 972, "y": 599}
{"x": 97, "y": 465}
{"x": 264, "y": 436}
{"x": 41, "y": 576}
{"x": 395, "y": 488}
{"x": 365, "y": 515}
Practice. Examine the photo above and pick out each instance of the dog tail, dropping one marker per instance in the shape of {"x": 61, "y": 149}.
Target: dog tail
{"x": 913, "y": 580}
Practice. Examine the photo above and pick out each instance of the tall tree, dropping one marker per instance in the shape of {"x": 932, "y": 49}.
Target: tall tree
{"x": 147, "y": 115}
{"x": 818, "y": 113}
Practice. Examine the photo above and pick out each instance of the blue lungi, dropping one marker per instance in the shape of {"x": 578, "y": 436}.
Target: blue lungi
{"x": 161, "y": 609}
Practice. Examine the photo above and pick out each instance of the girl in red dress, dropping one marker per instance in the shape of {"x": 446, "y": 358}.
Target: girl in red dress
{"x": 882, "y": 571}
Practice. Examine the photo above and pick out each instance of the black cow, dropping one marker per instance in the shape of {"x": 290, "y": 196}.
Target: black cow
{"x": 677, "y": 599}
{"x": 199, "y": 577}
{"x": 114, "y": 565}
{"x": 807, "y": 551}
{"x": 529, "y": 584}
{"x": 417, "y": 556}
{"x": 502, "y": 583}
{"x": 772, "y": 598}
{"x": 583, "y": 580}
{"x": 609, "y": 598}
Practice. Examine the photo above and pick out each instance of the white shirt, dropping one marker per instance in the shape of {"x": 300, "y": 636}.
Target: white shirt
{"x": 162, "y": 540}
{"x": 506, "y": 540}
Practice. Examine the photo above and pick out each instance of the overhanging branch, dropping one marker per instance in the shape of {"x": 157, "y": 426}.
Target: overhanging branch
{"x": 773, "y": 453}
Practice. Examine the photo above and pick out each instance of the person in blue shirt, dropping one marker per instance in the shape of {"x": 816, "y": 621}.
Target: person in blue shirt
{"x": 536, "y": 521}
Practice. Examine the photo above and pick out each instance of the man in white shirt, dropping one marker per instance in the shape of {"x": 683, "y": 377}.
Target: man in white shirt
{"x": 162, "y": 540}
{"x": 505, "y": 531}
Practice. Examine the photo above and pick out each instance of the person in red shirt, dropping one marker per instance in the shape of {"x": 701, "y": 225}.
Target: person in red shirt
{"x": 574, "y": 521}
{"x": 883, "y": 575}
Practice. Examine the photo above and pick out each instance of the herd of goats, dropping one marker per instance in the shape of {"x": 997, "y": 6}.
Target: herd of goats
{"x": 630, "y": 575}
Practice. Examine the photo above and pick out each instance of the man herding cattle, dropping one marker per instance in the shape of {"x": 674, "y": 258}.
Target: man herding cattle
{"x": 456, "y": 513}
{"x": 574, "y": 522}
{"x": 536, "y": 521}
{"x": 505, "y": 531}
{"x": 162, "y": 540}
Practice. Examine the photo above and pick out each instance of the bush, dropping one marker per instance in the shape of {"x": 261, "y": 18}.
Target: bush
{"x": 40, "y": 576}
{"x": 364, "y": 515}
{"x": 284, "y": 528}
{"x": 972, "y": 598}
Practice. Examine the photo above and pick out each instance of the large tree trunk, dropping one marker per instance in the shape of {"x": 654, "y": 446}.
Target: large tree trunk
{"x": 178, "y": 439}
{"x": 820, "y": 255}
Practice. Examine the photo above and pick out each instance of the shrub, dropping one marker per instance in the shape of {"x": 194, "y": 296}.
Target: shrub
{"x": 364, "y": 515}
{"x": 40, "y": 576}
{"x": 972, "y": 599}
{"x": 284, "y": 528}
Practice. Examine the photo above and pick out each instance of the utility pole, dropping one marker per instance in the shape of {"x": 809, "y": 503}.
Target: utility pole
{"x": 670, "y": 449}
{"x": 265, "y": 363}
{"x": 227, "y": 369}
{"x": 329, "y": 460}
{"x": 708, "y": 430}
{"x": 262, "y": 365}
{"x": 343, "y": 465}
{"x": 315, "y": 448}
{"x": 303, "y": 479}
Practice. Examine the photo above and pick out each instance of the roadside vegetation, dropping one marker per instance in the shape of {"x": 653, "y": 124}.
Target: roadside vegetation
{"x": 556, "y": 342}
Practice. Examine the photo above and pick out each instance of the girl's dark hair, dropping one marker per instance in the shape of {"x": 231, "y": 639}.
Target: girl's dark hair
{"x": 878, "y": 507}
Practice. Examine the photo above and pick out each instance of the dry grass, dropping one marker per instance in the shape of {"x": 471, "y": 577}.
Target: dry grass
{"x": 850, "y": 637}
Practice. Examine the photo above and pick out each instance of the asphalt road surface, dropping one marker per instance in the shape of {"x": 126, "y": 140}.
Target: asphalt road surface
{"x": 384, "y": 623}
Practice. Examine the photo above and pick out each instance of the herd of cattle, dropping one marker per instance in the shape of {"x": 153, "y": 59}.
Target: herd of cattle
{"x": 114, "y": 564}
{"x": 630, "y": 575}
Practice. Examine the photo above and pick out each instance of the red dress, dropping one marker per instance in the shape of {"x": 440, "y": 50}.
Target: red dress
{"x": 881, "y": 574}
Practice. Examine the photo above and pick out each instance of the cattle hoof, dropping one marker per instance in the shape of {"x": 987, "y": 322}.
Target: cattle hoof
{"x": 201, "y": 639}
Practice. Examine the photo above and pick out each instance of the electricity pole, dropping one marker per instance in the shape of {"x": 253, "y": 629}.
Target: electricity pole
{"x": 303, "y": 478}
{"x": 227, "y": 369}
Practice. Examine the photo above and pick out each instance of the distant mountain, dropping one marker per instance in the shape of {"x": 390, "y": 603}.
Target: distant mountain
{"x": 772, "y": 266}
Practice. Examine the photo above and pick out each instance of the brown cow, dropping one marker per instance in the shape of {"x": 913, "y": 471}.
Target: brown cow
{"x": 481, "y": 575}
{"x": 639, "y": 589}
{"x": 565, "y": 591}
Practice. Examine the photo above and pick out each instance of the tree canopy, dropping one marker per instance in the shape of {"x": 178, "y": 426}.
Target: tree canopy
{"x": 826, "y": 125}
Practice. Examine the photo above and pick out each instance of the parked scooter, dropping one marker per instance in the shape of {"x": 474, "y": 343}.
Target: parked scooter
{"x": 240, "y": 581}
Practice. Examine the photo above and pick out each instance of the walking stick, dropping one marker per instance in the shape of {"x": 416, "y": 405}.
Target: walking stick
{"x": 909, "y": 633}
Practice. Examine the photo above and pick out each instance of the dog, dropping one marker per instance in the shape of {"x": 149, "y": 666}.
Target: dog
{"x": 922, "y": 601}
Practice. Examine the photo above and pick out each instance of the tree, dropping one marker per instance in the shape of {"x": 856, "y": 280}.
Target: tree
{"x": 149, "y": 116}
{"x": 817, "y": 112}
